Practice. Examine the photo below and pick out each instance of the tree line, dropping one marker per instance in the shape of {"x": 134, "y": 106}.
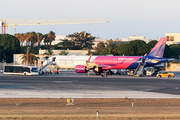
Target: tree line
{"x": 134, "y": 48}
{"x": 78, "y": 41}
{"x": 33, "y": 38}
{"x": 10, "y": 45}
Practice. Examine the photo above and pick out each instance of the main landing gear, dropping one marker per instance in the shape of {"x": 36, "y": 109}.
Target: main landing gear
{"x": 98, "y": 73}
{"x": 110, "y": 72}
{"x": 104, "y": 74}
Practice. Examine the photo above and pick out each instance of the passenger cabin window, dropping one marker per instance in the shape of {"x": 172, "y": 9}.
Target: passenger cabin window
{"x": 8, "y": 69}
{"x": 18, "y": 69}
{"x": 13, "y": 69}
{"x": 26, "y": 70}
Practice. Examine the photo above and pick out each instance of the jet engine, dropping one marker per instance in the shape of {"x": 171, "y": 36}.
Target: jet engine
{"x": 81, "y": 69}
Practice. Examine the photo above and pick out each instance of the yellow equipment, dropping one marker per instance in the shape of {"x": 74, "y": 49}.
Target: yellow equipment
{"x": 6, "y": 23}
{"x": 68, "y": 100}
{"x": 165, "y": 74}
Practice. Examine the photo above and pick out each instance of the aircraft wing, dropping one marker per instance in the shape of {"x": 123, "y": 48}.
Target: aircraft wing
{"x": 107, "y": 67}
{"x": 91, "y": 65}
{"x": 104, "y": 67}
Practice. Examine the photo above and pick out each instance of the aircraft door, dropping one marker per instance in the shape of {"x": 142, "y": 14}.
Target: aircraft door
{"x": 53, "y": 59}
{"x": 115, "y": 61}
{"x": 143, "y": 60}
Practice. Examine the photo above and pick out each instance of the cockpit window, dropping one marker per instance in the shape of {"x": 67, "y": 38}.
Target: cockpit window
{"x": 54, "y": 58}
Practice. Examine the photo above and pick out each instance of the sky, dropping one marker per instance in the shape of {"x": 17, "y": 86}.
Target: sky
{"x": 149, "y": 18}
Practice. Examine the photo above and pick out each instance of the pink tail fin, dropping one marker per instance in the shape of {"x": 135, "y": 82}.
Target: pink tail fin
{"x": 158, "y": 49}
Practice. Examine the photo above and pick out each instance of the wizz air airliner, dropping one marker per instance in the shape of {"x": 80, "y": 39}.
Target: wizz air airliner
{"x": 100, "y": 64}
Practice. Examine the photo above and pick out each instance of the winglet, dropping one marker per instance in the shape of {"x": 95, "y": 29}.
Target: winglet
{"x": 90, "y": 57}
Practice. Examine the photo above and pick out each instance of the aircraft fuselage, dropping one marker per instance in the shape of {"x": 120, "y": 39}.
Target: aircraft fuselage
{"x": 116, "y": 62}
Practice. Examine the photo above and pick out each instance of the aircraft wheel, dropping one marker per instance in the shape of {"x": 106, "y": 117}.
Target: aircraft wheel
{"x": 97, "y": 73}
{"x": 104, "y": 74}
{"x": 110, "y": 73}
{"x": 118, "y": 73}
{"x": 141, "y": 75}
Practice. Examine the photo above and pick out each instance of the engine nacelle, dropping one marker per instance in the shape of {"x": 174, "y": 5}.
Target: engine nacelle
{"x": 80, "y": 69}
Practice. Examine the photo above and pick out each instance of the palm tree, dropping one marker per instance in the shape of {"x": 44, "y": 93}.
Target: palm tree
{"x": 39, "y": 39}
{"x": 81, "y": 40}
{"x": 21, "y": 38}
{"x": 46, "y": 57}
{"x": 27, "y": 37}
{"x": 48, "y": 52}
{"x": 51, "y": 36}
{"x": 45, "y": 37}
{"x": 63, "y": 52}
{"x": 33, "y": 39}
{"x": 28, "y": 57}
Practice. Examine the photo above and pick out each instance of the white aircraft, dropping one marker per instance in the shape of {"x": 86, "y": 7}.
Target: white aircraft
{"x": 62, "y": 61}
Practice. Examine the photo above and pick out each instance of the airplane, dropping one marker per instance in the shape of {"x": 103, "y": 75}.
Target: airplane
{"x": 100, "y": 64}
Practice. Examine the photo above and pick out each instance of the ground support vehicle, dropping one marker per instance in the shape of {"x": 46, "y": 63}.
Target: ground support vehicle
{"x": 165, "y": 74}
{"x": 21, "y": 70}
{"x": 130, "y": 73}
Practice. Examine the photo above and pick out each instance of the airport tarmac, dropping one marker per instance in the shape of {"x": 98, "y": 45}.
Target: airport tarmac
{"x": 72, "y": 85}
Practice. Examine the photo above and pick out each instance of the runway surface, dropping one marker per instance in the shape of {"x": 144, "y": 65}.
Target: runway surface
{"x": 72, "y": 85}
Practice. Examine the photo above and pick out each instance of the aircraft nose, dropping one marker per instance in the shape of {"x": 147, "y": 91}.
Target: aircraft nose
{"x": 45, "y": 62}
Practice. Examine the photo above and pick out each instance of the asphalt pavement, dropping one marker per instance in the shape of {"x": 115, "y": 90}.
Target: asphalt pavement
{"x": 72, "y": 85}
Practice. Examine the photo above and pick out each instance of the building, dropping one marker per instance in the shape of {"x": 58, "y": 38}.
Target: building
{"x": 58, "y": 39}
{"x": 17, "y": 57}
{"x": 173, "y": 38}
{"x": 97, "y": 40}
{"x": 134, "y": 37}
